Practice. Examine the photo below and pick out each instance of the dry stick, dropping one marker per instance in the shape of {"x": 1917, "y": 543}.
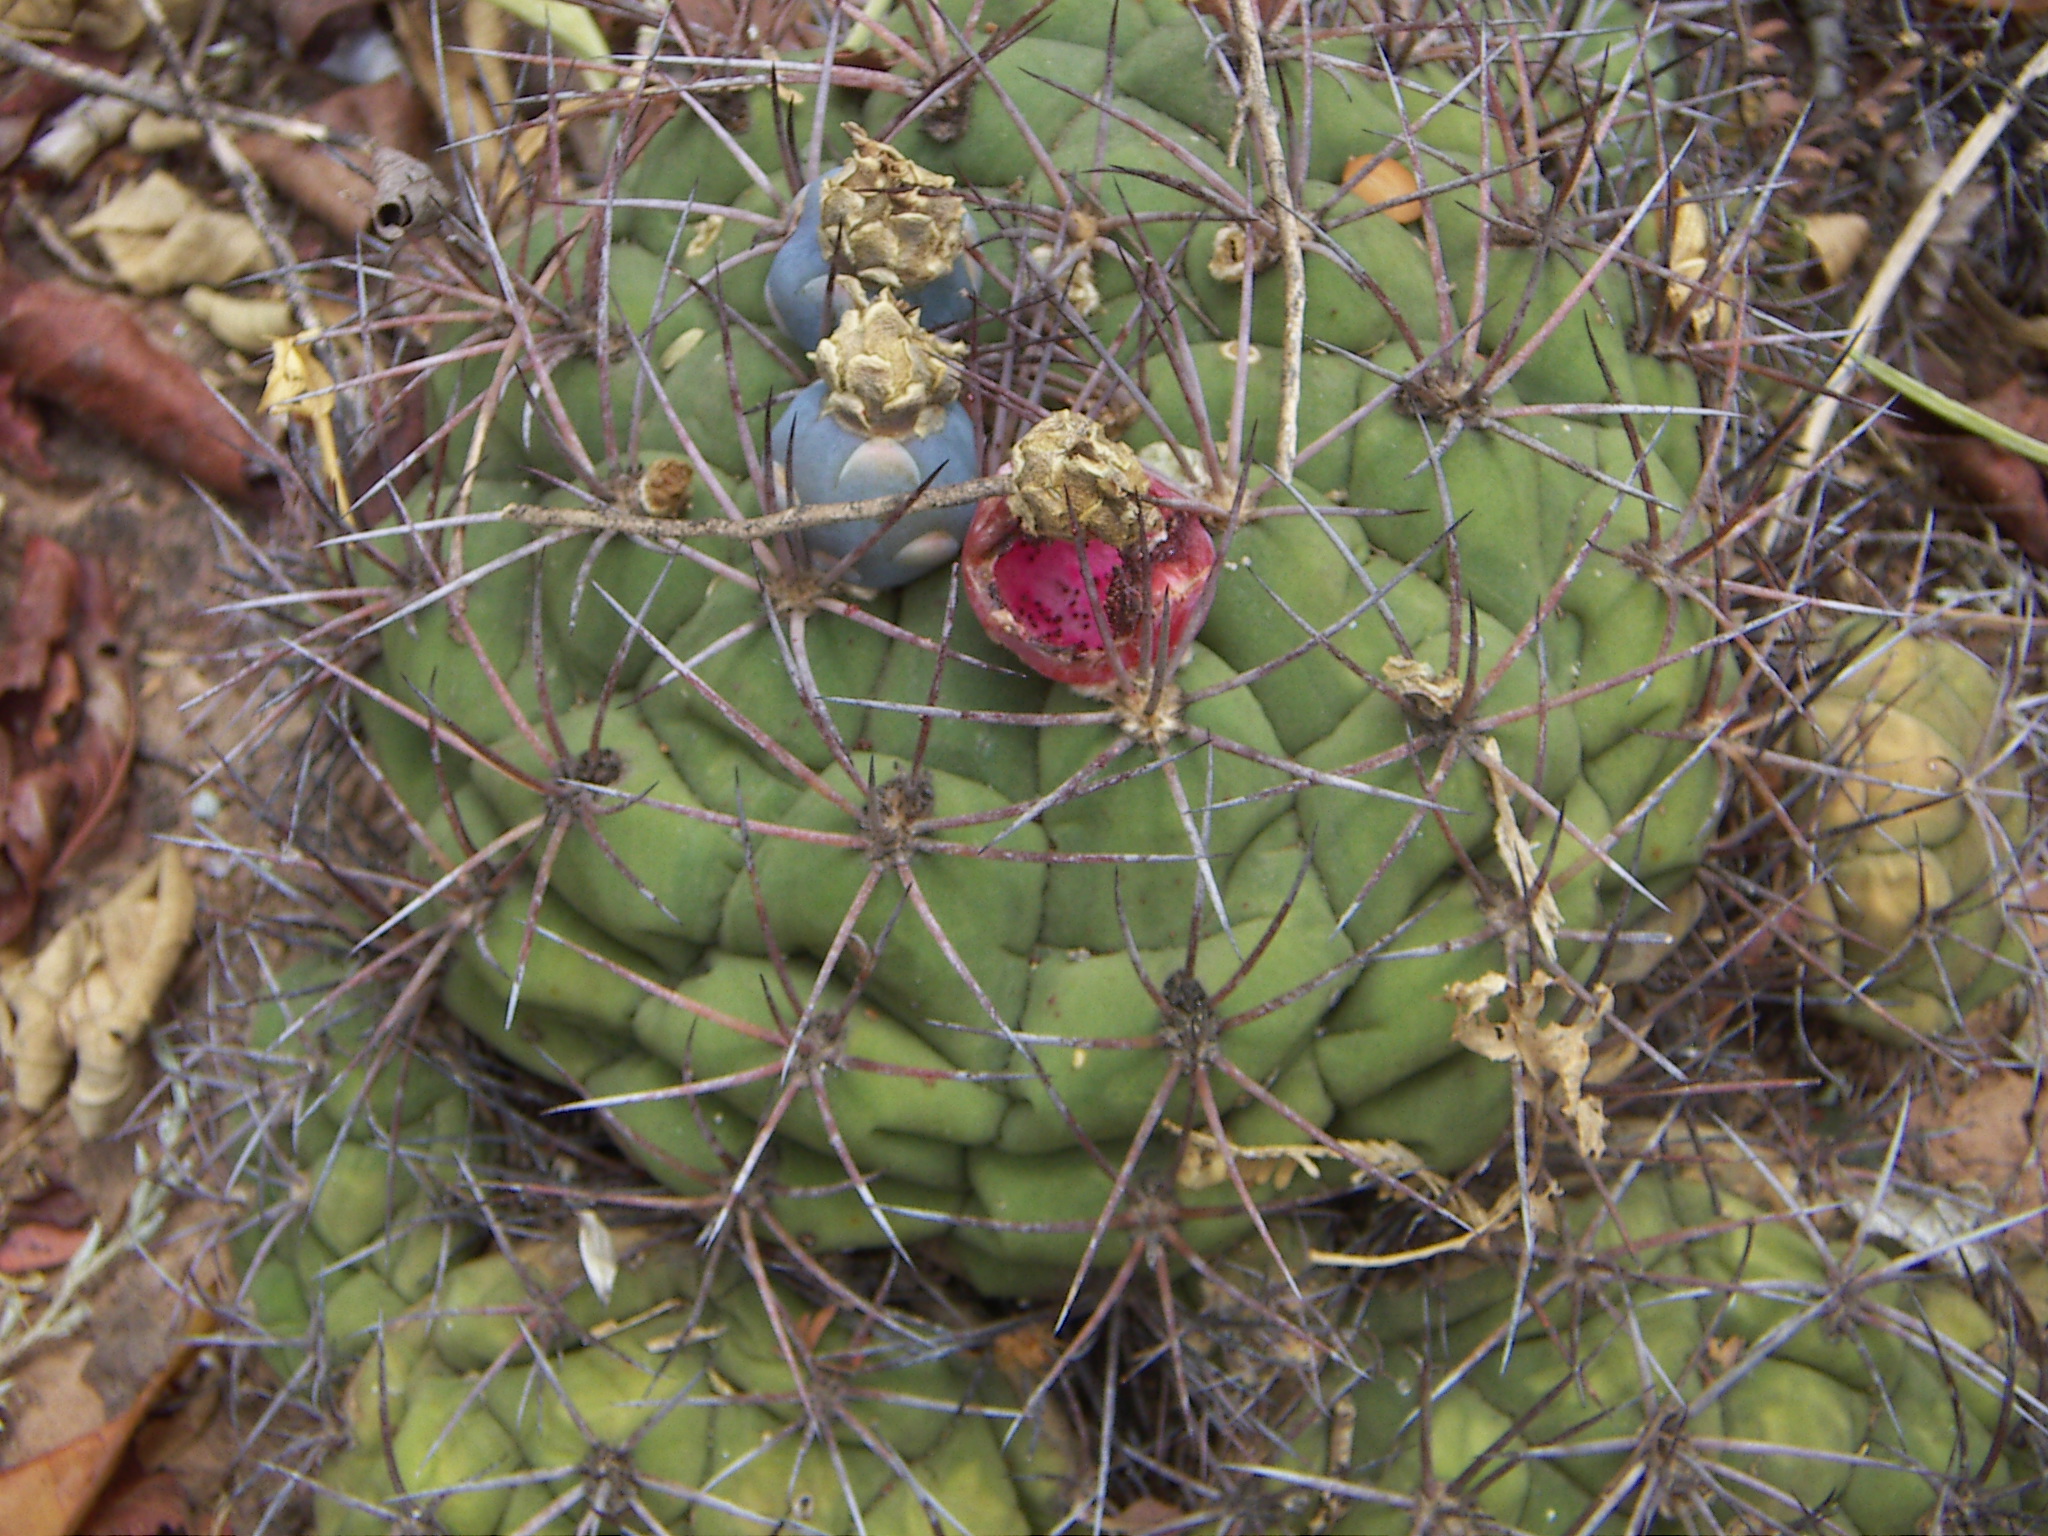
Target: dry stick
{"x": 795, "y": 519}
{"x": 1273, "y": 166}
{"x": 98, "y": 82}
{"x": 1897, "y": 263}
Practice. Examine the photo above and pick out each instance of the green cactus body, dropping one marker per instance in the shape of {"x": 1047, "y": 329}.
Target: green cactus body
{"x": 672, "y": 1403}
{"x": 1919, "y": 810}
{"x": 1703, "y": 1367}
{"x": 838, "y": 864}
{"x": 361, "y": 1147}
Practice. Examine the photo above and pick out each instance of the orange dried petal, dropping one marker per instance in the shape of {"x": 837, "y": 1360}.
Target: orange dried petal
{"x": 1384, "y": 183}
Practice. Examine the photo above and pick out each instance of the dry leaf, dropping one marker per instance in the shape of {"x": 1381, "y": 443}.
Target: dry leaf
{"x": 1560, "y": 1051}
{"x": 300, "y": 385}
{"x": 34, "y": 1245}
{"x": 1837, "y": 240}
{"x": 1435, "y": 694}
{"x": 1519, "y": 855}
{"x": 151, "y": 1504}
{"x": 52, "y": 1494}
{"x": 1692, "y": 253}
{"x": 86, "y": 353}
{"x": 158, "y": 236}
{"x": 243, "y": 323}
{"x": 90, "y": 993}
{"x": 1206, "y": 1163}
{"x": 336, "y": 185}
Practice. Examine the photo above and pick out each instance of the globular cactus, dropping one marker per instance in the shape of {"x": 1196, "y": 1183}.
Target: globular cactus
{"x": 878, "y": 915}
{"x": 518, "y": 1398}
{"x": 1916, "y": 814}
{"x": 1681, "y": 1361}
{"x": 347, "y": 1163}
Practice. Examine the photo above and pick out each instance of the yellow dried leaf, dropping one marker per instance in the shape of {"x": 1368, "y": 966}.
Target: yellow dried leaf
{"x": 1837, "y": 240}
{"x": 1562, "y": 1052}
{"x": 88, "y": 997}
{"x": 1206, "y": 1162}
{"x": 158, "y": 236}
{"x": 300, "y": 385}
{"x": 1519, "y": 854}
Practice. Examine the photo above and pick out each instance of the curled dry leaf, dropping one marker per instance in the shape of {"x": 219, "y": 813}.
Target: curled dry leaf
{"x": 337, "y": 186}
{"x": 91, "y": 992}
{"x": 67, "y": 722}
{"x": 1546, "y": 1051}
{"x": 158, "y": 236}
{"x": 86, "y": 354}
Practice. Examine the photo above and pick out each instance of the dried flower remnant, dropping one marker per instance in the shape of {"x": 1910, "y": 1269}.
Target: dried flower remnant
{"x": 883, "y": 419}
{"x": 880, "y": 222}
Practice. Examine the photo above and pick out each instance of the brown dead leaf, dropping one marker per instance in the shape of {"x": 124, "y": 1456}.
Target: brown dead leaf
{"x": 87, "y": 354}
{"x": 52, "y": 1494}
{"x": 142, "y": 1504}
{"x": 1992, "y": 1136}
{"x": 40, "y": 616}
{"x": 34, "y": 1245}
{"x": 21, "y": 435}
{"x": 2012, "y": 491}
{"x": 335, "y": 185}
{"x": 58, "y": 1205}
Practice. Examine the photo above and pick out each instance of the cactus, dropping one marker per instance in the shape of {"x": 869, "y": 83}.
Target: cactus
{"x": 347, "y": 1154}
{"x": 1681, "y": 1361}
{"x": 518, "y": 1398}
{"x": 1918, "y": 811}
{"x": 1370, "y": 666}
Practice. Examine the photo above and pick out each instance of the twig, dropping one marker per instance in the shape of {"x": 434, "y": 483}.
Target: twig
{"x": 1273, "y": 167}
{"x": 99, "y": 82}
{"x": 1899, "y": 261}
{"x": 45, "y": 229}
{"x": 794, "y": 520}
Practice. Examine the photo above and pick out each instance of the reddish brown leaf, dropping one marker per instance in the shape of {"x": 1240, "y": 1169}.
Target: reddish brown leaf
{"x": 33, "y": 1245}
{"x": 2012, "y": 491}
{"x": 334, "y": 186}
{"x": 40, "y": 616}
{"x": 62, "y": 690}
{"x": 51, "y": 1494}
{"x": 147, "y": 1504}
{"x": 103, "y": 749}
{"x": 59, "y": 1205}
{"x": 309, "y": 28}
{"x": 21, "y": 429}
{"x": 87, "y": 354}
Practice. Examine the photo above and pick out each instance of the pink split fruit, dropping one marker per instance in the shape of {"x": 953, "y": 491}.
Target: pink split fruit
{"x": 1033, "y": 599}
